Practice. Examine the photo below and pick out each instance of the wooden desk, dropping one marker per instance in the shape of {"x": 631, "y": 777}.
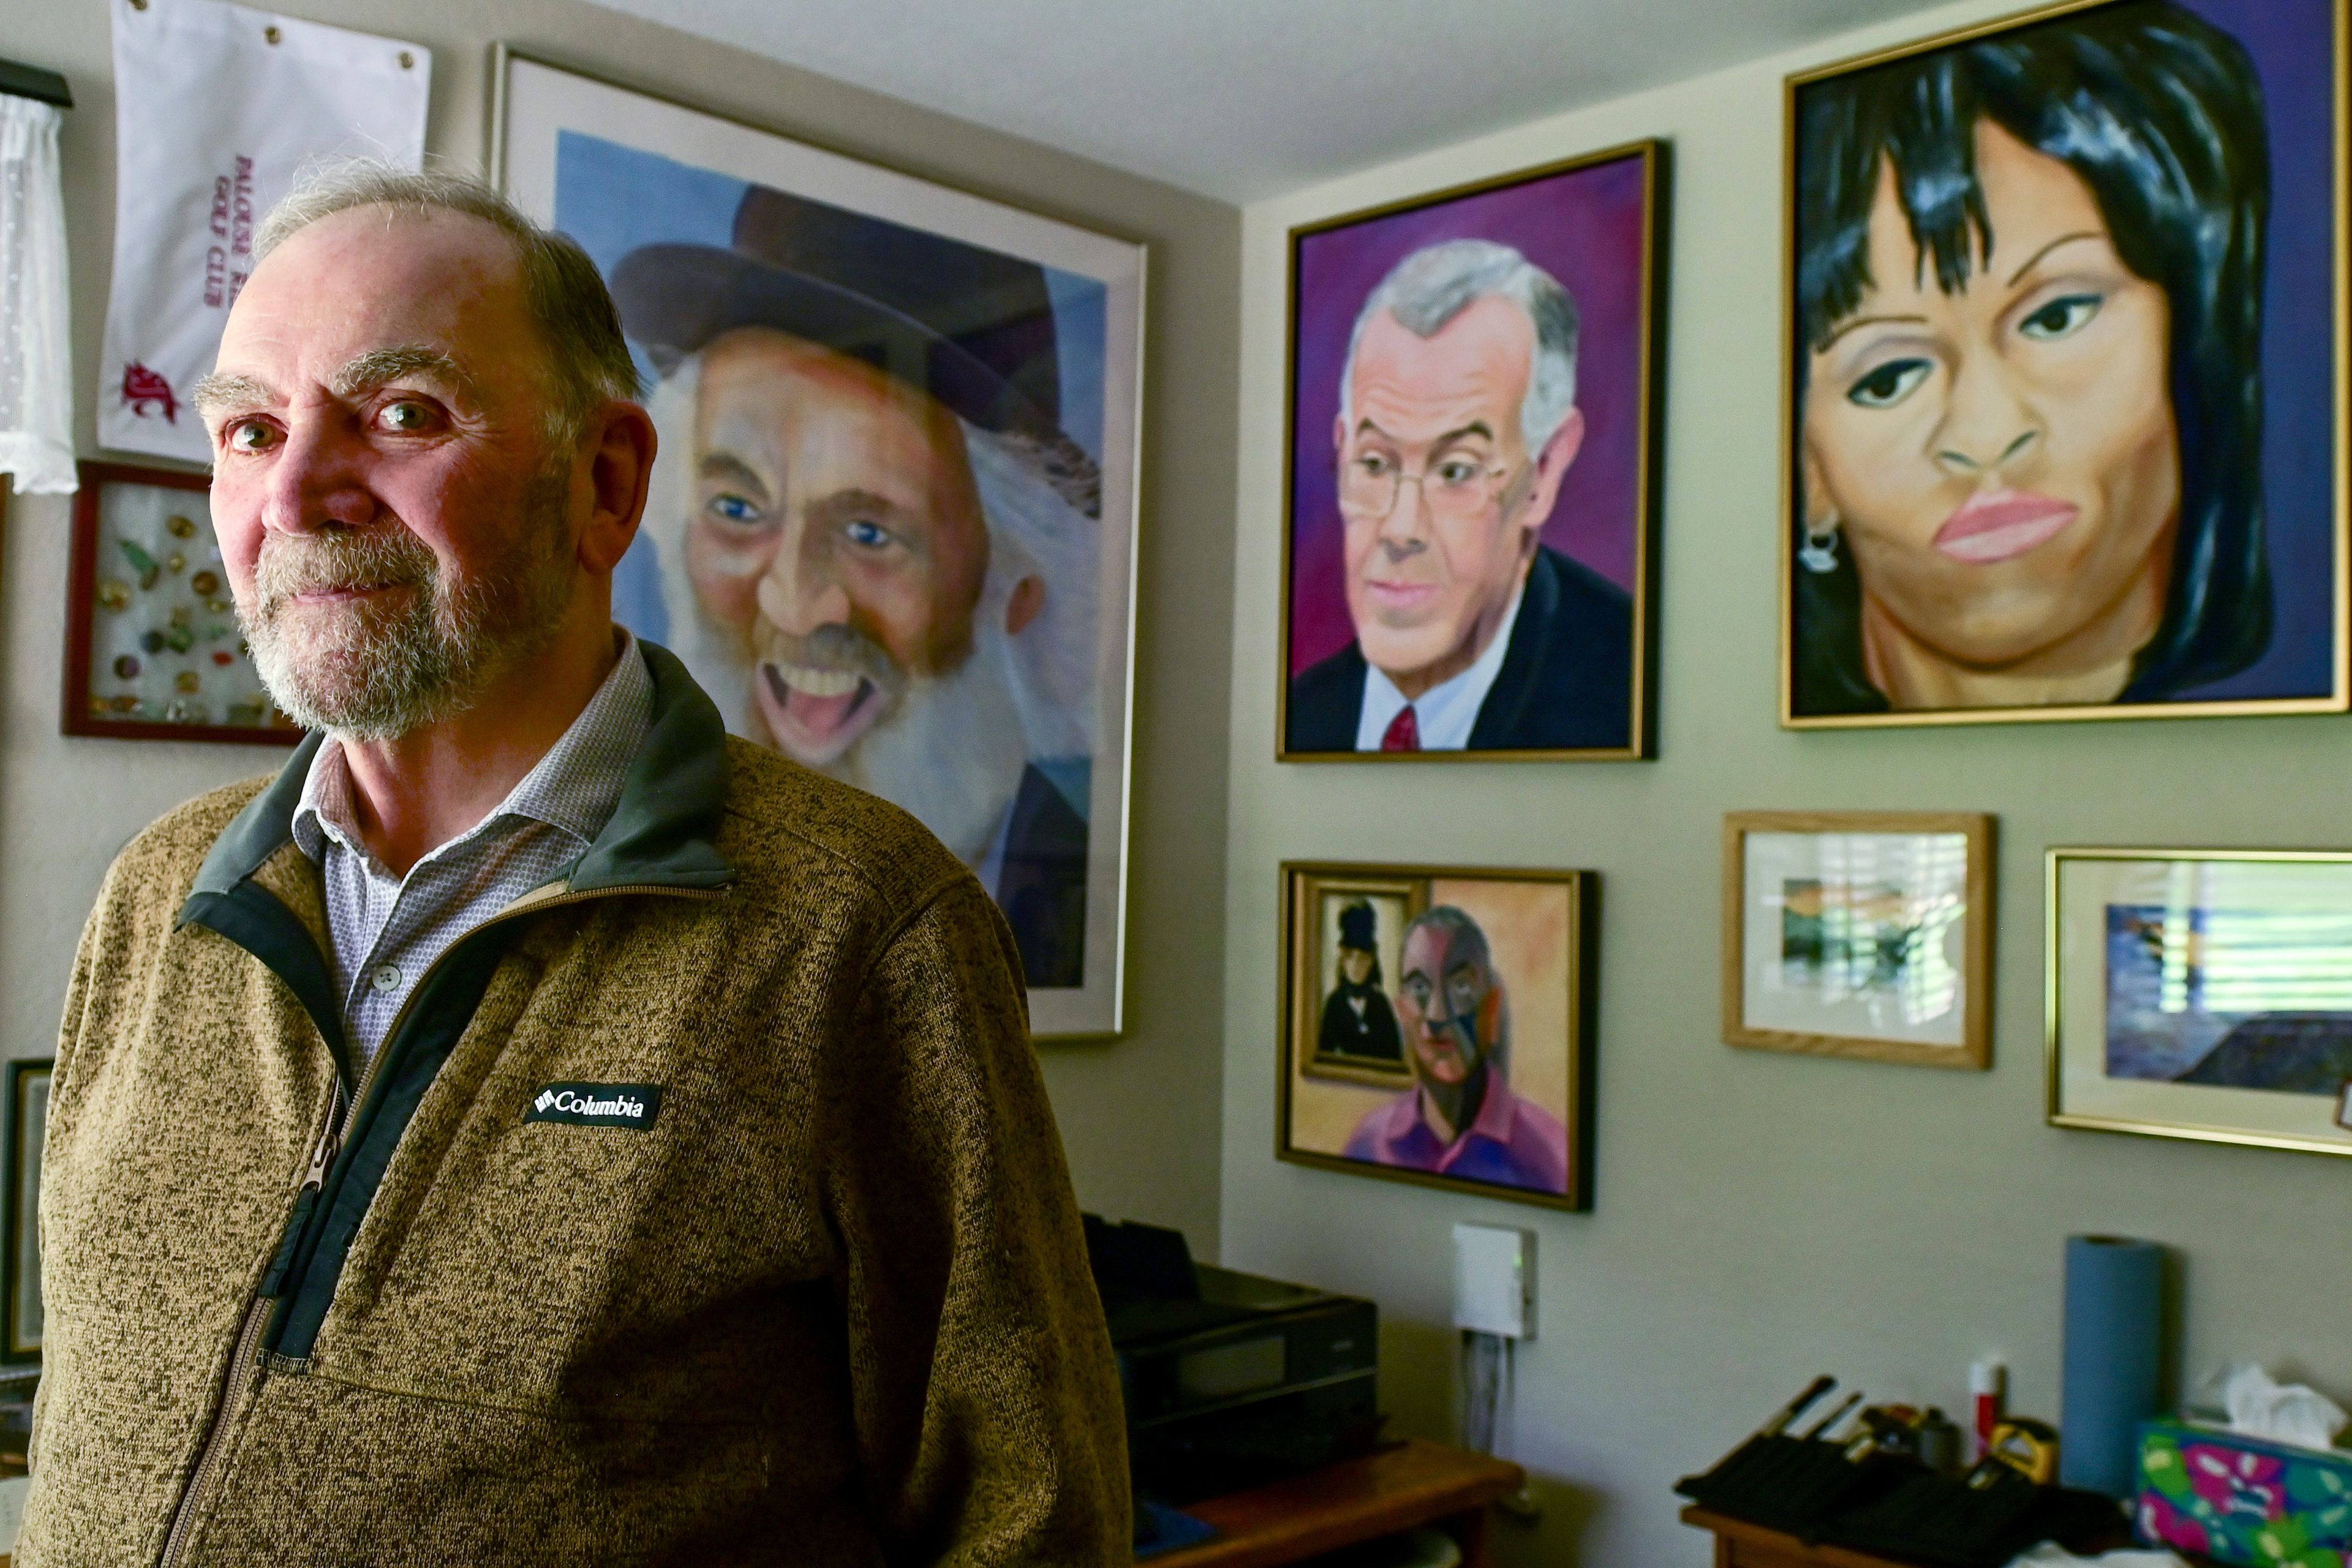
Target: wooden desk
{"x": 1739, "y": 1544}
{"x": 1397, "y": 1489}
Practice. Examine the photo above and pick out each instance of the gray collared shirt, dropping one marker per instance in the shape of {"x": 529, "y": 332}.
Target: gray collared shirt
{"x": 389, "y": 930}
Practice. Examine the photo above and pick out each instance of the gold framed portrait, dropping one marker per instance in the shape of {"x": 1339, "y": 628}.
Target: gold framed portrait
{"x": 2065, "y": 362}
{"x": 1437, "y": 1027}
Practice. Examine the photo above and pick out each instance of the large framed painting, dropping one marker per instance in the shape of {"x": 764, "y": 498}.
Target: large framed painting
{"x": 2202, "y": 993}
{"x": 2066, "y": 370}
{"x": 152, "y": 648}
{"x": 1469, "y": 557}
{"x": 1860, "y": 933}
{"x": 1437, "y": 1027}
{"x": 892, "y": 527}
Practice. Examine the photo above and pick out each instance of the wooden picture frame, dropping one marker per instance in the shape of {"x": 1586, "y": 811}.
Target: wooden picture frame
{"x": 1565, "y": 689}
{"x": 28, "y": 1104}
{"x": 141, "y": 614}
{"x": 2200, "y": 995}
{"x": 1885, "y": 947}
{"x": 1513, "y": 953}
{"x": 2244, "y": 577}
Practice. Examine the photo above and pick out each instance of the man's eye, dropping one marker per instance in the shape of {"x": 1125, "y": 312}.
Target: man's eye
{"x": 248, "y": 436}
{"x": 1456, "y": 473}
{"x": 734, "y": 509}
{"x": 404, "y": 416}
{"x": 1374, "y": 465}
{"x": 1890, "y": 383}
{"x": 2060, "y": 317}
{"x": 866, "y": 535}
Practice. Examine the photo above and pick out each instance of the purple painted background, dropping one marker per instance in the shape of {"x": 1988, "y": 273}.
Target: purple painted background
{"x": 2293, "y": 50}
{"x": 1584, "y": 227}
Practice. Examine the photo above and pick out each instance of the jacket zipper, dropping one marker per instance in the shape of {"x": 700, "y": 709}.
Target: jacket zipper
{"x": 322, "y": 1158}
{"x": 248, "y": 1347}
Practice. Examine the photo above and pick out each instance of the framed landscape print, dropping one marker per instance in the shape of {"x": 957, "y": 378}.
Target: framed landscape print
{"x": 20, "y": 1278}
{"x": 1474, "y": 394}
{"x": 892, "y": 526}
{"x": 2067, "y": 361}
{"x": 1437, "y": 1027}
{"x": 153, "y": 650}
{"x": 2202, "y": 993}
{"x": 1859, "y": 933}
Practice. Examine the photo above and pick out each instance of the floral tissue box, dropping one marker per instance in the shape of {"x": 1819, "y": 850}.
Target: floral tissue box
{"x": 2241, "y": 1499}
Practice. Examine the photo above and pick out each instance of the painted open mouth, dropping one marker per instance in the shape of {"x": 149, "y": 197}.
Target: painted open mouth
{"x": 816, "y": 714}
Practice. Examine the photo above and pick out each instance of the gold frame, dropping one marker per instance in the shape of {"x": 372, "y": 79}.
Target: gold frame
{"x": 504, "y": 56}
{"x": 2340, "y": 699}
{"x": 2052, "y": 1045}
{"x": 1974, "y": 1052}
{"x": 1298, "y": 878}
{"x": 1303, "y": 957}
{"x": 1649, "y": 419}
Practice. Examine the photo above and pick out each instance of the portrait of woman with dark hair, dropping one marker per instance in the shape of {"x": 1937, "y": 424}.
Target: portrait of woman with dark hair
{"x": 2031, "y": 269}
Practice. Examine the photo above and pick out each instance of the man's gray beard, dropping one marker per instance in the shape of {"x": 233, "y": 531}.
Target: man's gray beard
{"x": 365, "y": 672}
{"x": 951, "y": 750}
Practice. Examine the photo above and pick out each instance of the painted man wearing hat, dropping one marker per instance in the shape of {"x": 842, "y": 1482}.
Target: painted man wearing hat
{"x": 880, "y": 553}
{"x": 1357, "y": 1022}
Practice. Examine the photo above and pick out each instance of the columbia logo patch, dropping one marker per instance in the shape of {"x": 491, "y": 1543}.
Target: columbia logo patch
{"x": 630, "y": 1105}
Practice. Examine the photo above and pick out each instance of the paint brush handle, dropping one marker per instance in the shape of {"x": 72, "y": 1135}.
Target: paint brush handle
{"x": 1796, "y": 1407}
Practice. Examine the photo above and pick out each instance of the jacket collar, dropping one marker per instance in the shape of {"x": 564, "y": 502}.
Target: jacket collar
{"x": 662, "y": 834}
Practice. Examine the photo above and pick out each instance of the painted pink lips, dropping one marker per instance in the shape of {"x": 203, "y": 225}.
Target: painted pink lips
{"x": 1997, "y": 525}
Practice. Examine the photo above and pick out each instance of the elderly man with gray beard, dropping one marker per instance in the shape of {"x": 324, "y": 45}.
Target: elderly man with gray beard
{"x": 533, "y": 1126}
{"x": 880, "y": 550}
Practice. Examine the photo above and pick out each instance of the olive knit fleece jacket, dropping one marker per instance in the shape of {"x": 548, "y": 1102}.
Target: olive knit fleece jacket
{"x": 827, "y": 1304}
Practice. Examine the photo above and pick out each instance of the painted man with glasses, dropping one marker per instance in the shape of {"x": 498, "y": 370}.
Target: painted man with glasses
{"x": 1457, "y": 421}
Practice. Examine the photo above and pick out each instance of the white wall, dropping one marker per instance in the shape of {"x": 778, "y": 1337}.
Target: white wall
{"x": 1140, "y": 1116}
{"x": 1760, "y": 1217}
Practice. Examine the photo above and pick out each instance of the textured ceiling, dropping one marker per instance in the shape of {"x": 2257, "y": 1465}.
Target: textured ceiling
{"x": 1246, "y": 98}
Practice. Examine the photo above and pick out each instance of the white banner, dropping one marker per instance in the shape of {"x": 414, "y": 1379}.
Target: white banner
{"x": 216, "y": 109}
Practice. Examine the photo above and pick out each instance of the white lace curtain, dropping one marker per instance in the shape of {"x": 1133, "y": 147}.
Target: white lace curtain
{"x": 36, "y": 366}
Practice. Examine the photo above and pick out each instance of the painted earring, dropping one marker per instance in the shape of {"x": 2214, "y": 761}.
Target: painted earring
{"x": 1818, "y": 553}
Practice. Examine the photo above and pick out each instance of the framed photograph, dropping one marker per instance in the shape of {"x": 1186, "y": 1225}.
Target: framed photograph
{"x": 1471, "y": 507}
{"x": 153, "y": 650}
{"x": 1859, "y": 933}
{"x": 20, "y": 1280}
{"x": 892, "y": 528}
{"x": 1437, "y": 1027}
{"x": 2202, "y": 993}
{"x": 2066, "y": 369}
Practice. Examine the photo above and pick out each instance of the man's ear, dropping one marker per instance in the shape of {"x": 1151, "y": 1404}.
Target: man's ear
{"x": 1551, "y": 467}
{"x": 1028, "y": 599}
{"x": 618, "y": 449}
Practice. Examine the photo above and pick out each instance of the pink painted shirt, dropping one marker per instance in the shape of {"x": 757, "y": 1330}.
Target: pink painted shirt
{"x": 1512, "y": 1142}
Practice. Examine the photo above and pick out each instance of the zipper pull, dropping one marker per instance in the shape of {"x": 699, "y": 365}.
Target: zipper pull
{"x": 324, "y": 1155}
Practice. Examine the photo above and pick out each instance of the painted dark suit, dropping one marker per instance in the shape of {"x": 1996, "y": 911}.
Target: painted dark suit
{"x": 1566, "y": 683}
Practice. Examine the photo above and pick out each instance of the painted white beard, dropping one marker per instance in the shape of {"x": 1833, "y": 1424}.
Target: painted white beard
{"x": 950, "y": 750}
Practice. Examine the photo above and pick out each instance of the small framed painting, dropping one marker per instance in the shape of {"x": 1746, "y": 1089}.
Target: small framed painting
{"x": 1437, "y": 1027}
{"x": 1469, "y": 562}
{"x": 2202, "y": 993}
{"x": 153, "y": 648}
{"x": 1859, "y": 933}
{"x": 20, "y": 1275}
{"x": 2067, "y": 358}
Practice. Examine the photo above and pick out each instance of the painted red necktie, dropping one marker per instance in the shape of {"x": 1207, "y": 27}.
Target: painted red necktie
{"x": 1405, "y": 732}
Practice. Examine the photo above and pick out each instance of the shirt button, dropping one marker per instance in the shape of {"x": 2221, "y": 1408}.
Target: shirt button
{"x": 386, "y": 977}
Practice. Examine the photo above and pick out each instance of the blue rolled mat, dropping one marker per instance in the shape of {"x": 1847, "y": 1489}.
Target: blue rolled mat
{"x": 2114, "y": 1359}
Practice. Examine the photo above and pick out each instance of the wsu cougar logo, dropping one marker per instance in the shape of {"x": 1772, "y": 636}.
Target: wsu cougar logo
{"x": 141, "y": 387}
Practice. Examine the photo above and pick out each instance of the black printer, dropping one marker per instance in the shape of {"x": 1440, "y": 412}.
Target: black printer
{"x": 1230, "y": 1380}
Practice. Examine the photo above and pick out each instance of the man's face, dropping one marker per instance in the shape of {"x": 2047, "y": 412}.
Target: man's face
{"x": 1449, "y": 1006}
{"x": 391, "y": 517}
{"x": 835, "y": 529}
{"x": 1430, "y": 577}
